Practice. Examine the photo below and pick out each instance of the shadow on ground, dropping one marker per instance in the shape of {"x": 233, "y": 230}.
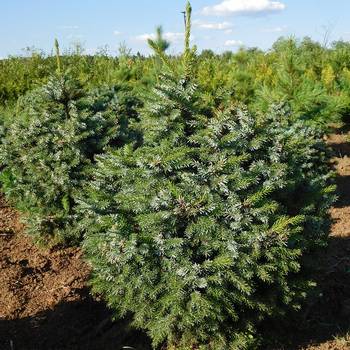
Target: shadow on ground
{"x": 343, "y": 191}
{"x": 326, "y": 314}
{"x": 82, "y": 325}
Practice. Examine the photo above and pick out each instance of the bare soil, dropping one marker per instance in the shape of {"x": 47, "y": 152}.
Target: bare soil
{"x": 44, "y": 299}
{"x": 45, "y": 302}
{"x": 333, "y": 313}
{"x": 324, "y": 322}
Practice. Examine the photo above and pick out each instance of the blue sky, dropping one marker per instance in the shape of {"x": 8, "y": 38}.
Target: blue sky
{"x": 217, "y": 24}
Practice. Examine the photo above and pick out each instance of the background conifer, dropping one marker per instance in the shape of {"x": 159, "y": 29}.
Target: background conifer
{"x": 48, "y": 153}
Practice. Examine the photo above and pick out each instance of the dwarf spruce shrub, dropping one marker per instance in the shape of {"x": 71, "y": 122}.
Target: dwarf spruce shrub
{"x": 201, "y": 231}
{"x": 48, "y": 151}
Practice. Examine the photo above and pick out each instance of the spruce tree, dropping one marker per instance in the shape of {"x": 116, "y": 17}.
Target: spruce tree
{"x": 201, "y": 231}
{"x": 48, "y": 151}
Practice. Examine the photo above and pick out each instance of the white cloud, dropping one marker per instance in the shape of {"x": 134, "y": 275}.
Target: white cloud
{"x": 117, "y": 32}
{"x": 233, "y": 43}
{"x": 172, "y": 37}
{"x": 275, "y": 29}
{"x": 228, "y": 31}
{"x": 218, "y": 26}
{"x": 144, "y": 37}
{"x": 243, "y": 7}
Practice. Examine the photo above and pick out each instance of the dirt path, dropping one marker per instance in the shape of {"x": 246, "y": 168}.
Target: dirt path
{"x": 45, "y": 304}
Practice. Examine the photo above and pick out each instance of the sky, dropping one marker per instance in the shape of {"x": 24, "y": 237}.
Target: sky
{"x": 219, "y": 25}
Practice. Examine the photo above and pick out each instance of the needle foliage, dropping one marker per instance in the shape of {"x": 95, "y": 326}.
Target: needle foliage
{"x": 49, "y": 148}
{"x": 201, "y": 231}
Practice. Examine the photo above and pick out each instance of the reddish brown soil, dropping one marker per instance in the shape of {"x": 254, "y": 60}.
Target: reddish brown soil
{"x": 32, "y": 279}
{"x": 331, "y": 314}
{"x": 324, "y": 323}
{"x": 45, "y": 303}
{"x": 335, "y": 266}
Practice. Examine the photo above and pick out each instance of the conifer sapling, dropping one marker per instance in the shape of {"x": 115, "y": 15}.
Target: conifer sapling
{"x": 200, "y": 232}
{"x": 48, "y": 151}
